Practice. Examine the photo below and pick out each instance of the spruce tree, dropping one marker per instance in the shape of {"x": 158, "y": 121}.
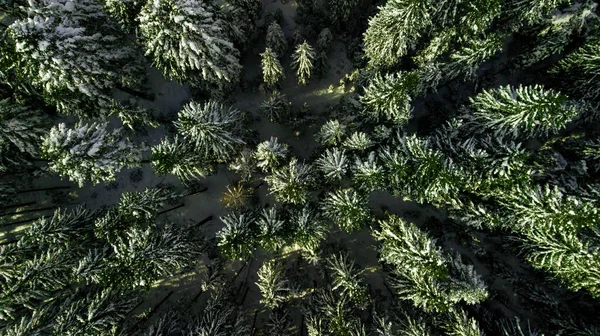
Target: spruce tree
{"x": 276, "y": 107}
{"x": 125, "y": 12}
{"x": 333, "y": 164}
{"x": 88, "y": 152}
{"x": 271, "y": 68}
{"x": 290, "y": 183}
{"x": 302, "y": 62}
{"x": 270, "y": 154}
{"x": 347, "y": 208}
{"x": 187, "y": 43}
{"x": 272, "y": 284}
{"x": 235, "y": 236}
{"x": 521, "y": 112}
{"x": 341, "y": 10}
{"x": 276, "y": 40}
{"x": 21, "y": 128}
{"x": 347, "y": 277}
{"x": 331, "y": 133}
{"x": 310, "y": 230}
{"x": 178, "y": 156}
{"x": 46, "y": 43}
{"x": 388, "y": 98}
{"x": 271, "y": 227}
{"x": 582, "y": 68}
{"x": 358, "y": 141}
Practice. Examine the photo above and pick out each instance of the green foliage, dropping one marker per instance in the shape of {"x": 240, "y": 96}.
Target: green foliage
{"x": 276, "y": 107}
{"x": 532, "y": 12}
{"x": 244, "y": 164}
{"x": 179, "y": 157}
{"x": 462, "y": 325}
{"x": 272, "y": 284}
{"x": 368, "y": 175}
{"x": 276, "y": 40}
{"x": 270, "y": 154}
{"x": 309, "y": 231}
{"x": 333, "y": 164}
{"x": 583, "y": 68}
{"x": 388, "y": 98}
{"x": 186, "y": 42}
{"x": 124, "y": 12}
{"x": 347, "y": 208}
{"x": 302, "y": 62}
{"x": 347, "y": 278}
{"x": 331, "y": 133}
{"x": 291, "y": 183}
{"x": 525, "y": 111}
{"x": 233, "y": 238}
{"x": 324, "y": 40}
{"x": 423, "y": 273}
{"x": 271, "y": 227}
{"x": 212, "y": 128}
{"x": 271, "y": 68}
{"x": 21, "y": 128}
{"x": 341, "y": 10}
{"x": 88, "y": 152}
{"x": 358, "y": 141}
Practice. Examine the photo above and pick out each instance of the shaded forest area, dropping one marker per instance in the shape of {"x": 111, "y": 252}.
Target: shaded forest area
{"x": 299, "y": 167}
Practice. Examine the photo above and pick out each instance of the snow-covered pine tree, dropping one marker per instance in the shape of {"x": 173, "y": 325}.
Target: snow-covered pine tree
{"x": 532, "y": 12}
{"x": 125, "y": 12}
{"x": 276, "y": 107}
{"x": 213, "y": 129}
{"x": 244, "y": 164}
{"x": 46, "y": 42}
{"x": 310, "y": 230}
{"x": 333, "y": 164}
{"x": 302, "y": 62}
{"x": 423, "y": 273}
{"x": 236, "y": 197}
{"x": 271, "y": 227}
{"x": 276, "y": 40}
{"x": 272, "y": 283}
{"x": 341, "y": 10}
{"x": 582, "y": 68}
{"x": 88, "y": 152}
{"x": 331, "y": 133}
{"x": 348, "y": 278}
{"x": 324, "y": 40}
{"x": 271, "y": 68}
{"x": 187, "y": 43}
{"x": 347, "y": 208}
{"x": 236, "y": 237}
{"x": 358, "y": 141}
{"x": 368, "y": 175}
{"x": 388, "y": 97}
{"x": 520, "y": 112}
{"x": 291, "y": 183}
{"x": 270, "y": 154}
{"x": 21, "y": 128}
{"x": 178, "y": 156}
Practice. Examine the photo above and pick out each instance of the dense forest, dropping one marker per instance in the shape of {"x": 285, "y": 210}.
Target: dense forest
{"x": 299, "y": 167}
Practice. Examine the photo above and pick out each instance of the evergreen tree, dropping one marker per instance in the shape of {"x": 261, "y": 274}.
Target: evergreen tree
{"x": 368, "y": 175}
{"x": 276, "y": 40}
{"x": 237, "y": 197}
{"x": 525, "y": 111}
{"x": 125, "y": 12}
{"x": 302, "y": 62}
{"x": 245, "y": 165}
{"x": 324, "y": 40}
{"x": 423, "y": 273}
{"x": 333, "y": 164}
{"x": 347, "y": 208}
{"x": 88, "y": 152}
{"x": 276, "y": 107}
{"x": 271, "y": 227}
{"x": 212, "y": 128}
{"x": 270, "y": 154}
{"x": 347, "y": 278}
{"x": 271, "y": 68}
{"x": 582, "y": 68}
{"x": 331, "y": 133}
{"x": 185, "y": 40}
{"x": 46, "y": 42}
{"x": 272, "y": 284}
{"x": 234, "y": 237}
{"x": 462, "y": 325}
{"x": 179, "y": 157}
{"x": 358, "y": 141}
{"x": 290, "y": 183}
{"x": 388, "y": 98}
{"x": 341, "y": 11}
{"x": 309, "y": 231}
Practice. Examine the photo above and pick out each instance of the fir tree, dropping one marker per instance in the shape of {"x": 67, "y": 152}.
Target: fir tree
{"x": 347, "y": 208}
{"x": 331, "y": 133}
{"x": 333, "y": 164}
{"x": 368, "y": 175}
{"x": 125, "y": 12}
{"x": 276, "y": 107}
{"x": 236, "y": 197}
{"x": 358, "y": 141}
{"x": 271, "y": 68}
{"x": 302, "y": 62}
{"x": 270, "y": 154}
{"x": 309, "y": 231}
{"x": 525, "y": 111}
{"x": 234, "y": 237}
{"x": 177, "y": 156}
{"x": 324, "y": 40}
{"x": 21, "y": 127}
{"x": 185, "y": 40}
{"x": 341, "y": 11}
{"x": 46, "y": 42}
{"x": 272, "y": 284}
{"x": 276, "y": 40}
{"x": 462, "y": 325}
{"x": 245, "y": 165}
{"x": 271, "y": 227}
{"x": 582, "y": 67}
{"x": 212, "y": 128}
{"x": 388, "y": 98}
{"x": 347, "y": 278}
{"x": 88, "y": 152}
{"x": 290, "y": 183}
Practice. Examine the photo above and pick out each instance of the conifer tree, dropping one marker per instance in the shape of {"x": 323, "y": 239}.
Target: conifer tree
{"x": 245, "y": 165}
{"x": 212, "y": 128}
{"x": 347, "y": 278}
{"x": 270, "y": 154}
{"x": 324, "y": 40}
{"x": 309, "y": 231}
{"x": 272, "y": 284}
{"x": 341, "y": 11}
{"x": 178, "y": 156}
{"x": 302, "y": 62}
{"x": 368, "y": 175}
{"x": 88, "y": 152}
{"x": 234, "y": 237}
{"x": 290, "y": 183}
{"x": 388, "y": 98}
{"x": 276, "y": 107}
{"x": 271, "y": 68}
{"x": 331, "y": 133}
{"x": 125, "y": 12}
{"x": 21, "y": 127}
{"x": 271, "y": 227}
{"x": 276, "y": 40}
{"x": 522, "y": 112}
{"x": 582, "y": 67}
{"x": 185, "y": 40}
{"x": 46, "y": 42}
{"x": 347, "y": 208}
{"x": 358, "y": 141}
{"x": 333, "y": 164}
